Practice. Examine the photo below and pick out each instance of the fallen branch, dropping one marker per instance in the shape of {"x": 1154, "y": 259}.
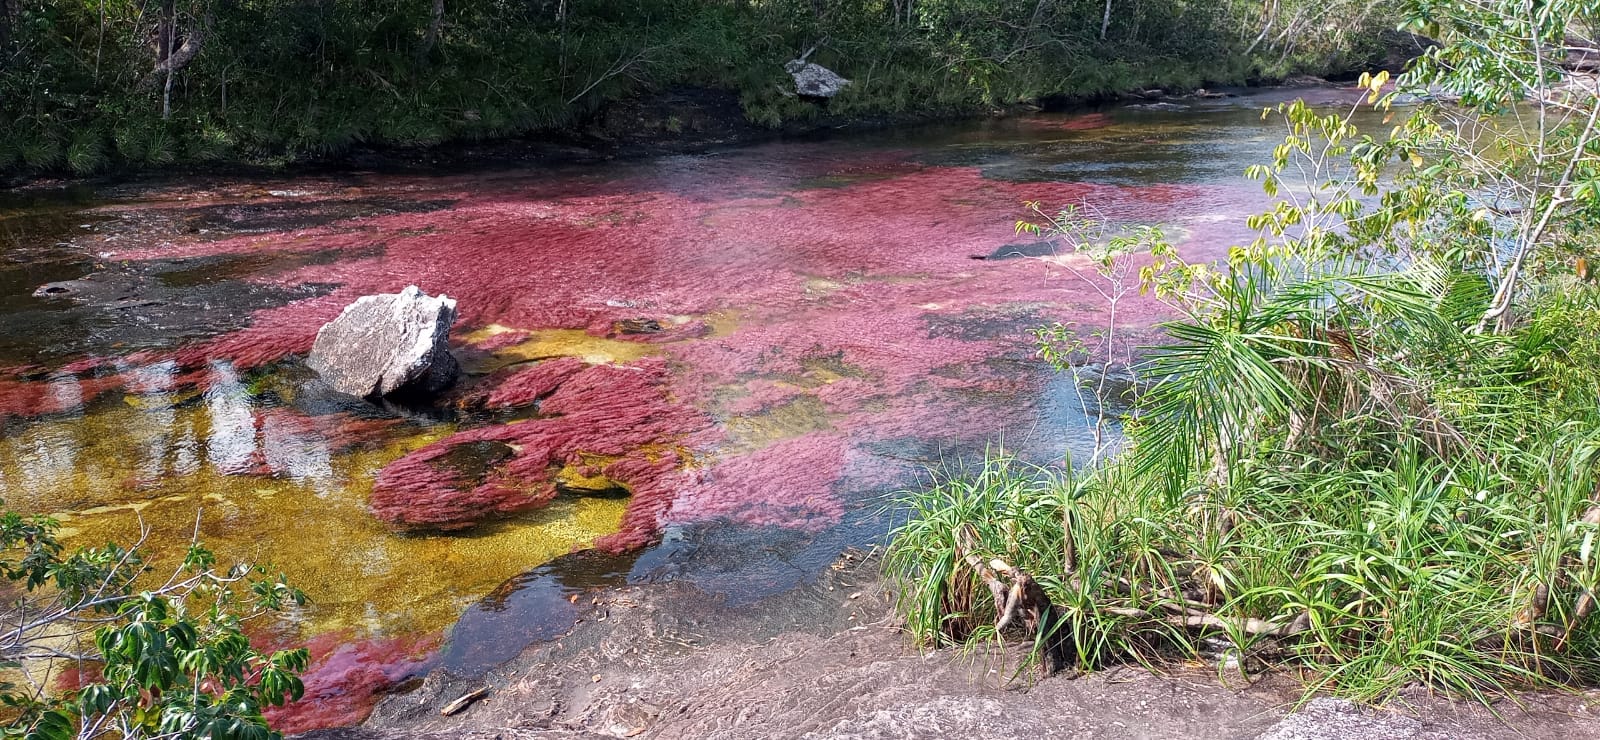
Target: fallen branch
{"x": 1022, "y": 599}
{"x": 464, "y": 701}
{"x": 618, "y": 67}
{"x": 1246, "y": 625}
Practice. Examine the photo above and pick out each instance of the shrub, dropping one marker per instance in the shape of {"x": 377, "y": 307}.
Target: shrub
{"x": 154, "y": 656}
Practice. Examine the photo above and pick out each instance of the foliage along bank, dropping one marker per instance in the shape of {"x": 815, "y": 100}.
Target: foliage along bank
{"x": 87, "y": 85}
{"x": 1369, "y": 449}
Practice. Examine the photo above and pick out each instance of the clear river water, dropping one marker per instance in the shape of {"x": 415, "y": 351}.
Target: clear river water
{"x": 706, "y": 367}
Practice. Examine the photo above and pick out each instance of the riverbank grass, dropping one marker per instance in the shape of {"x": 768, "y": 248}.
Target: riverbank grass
{"x": 1368, "y": 451}
{"x": 1473, "y": 577}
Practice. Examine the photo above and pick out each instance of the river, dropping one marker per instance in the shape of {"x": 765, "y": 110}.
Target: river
{"x": 718, "y": 364}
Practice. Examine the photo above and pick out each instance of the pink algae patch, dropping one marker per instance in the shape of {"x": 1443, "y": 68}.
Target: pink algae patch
{"x": 60, "y": 392}
{"x": 857, "y": 299}
{"x": 346, "y": 679}
{"x": 789, "y": 483}
{"x": 77, "y": 675}
{"x": 348, "y": 676}
{"x": 1085, "y": 122}
{"x": 761, "y": 395}
{"x": 524, "y": 387}
{"x": 622, "y": 414}
{"x": 858, "y": 276}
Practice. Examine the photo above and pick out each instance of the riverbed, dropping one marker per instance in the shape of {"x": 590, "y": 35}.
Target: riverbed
{"x": 710, "y": 368}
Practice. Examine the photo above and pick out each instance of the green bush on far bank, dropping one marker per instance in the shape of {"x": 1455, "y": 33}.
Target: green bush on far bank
{"x": 85, "y": 85}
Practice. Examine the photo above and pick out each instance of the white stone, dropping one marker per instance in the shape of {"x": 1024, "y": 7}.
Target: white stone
{"x": 388, "y": 343}
{"x": 815, "y": 80}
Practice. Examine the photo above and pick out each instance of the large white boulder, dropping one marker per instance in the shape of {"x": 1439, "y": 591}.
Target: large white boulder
{"x": 392, "y": 343}
{"x": 815, "y": 80}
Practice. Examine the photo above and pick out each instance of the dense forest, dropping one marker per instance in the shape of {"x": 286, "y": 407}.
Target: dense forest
{"x": 91, "y": 84}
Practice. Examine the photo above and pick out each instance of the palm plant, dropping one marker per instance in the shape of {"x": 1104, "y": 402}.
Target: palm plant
{"x": 1337, "y": 463}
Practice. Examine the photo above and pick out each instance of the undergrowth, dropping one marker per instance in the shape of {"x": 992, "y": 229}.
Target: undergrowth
{"x": 82, "y": 86}
{"x": 1368, "y": 450}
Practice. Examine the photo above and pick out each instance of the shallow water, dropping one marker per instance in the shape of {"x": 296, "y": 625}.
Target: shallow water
{"x": 767, "y": 341}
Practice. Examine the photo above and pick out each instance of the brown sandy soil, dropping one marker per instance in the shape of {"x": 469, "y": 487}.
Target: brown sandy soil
{"x": 668, "y": 661}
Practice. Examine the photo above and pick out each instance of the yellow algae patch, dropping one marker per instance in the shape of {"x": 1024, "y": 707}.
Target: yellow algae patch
{"x": 573, "y": 477}
{"x": 823, "y": 286}
{"x": 270, "y": 490}
{"x": 357, "y": 573}
{"x": 722, "y": 323}
{"x": 802, "y": 415}
{"x": 488, "y": 332}
{"x": 547, "y": 343}
{"x": 576, "y": 343}
{"x": 821, "y": 371}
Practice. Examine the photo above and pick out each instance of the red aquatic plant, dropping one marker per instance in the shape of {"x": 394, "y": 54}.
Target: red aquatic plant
{"x": 525, "y": 386}
{"x": 789, "y": 483}
{"x": 347, "y": 677}
{"x": 868, "y": 287}
{"x": 603, "y": 411}
{"x": 58, "y": 393}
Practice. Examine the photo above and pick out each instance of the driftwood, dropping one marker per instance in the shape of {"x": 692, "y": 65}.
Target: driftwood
{"x": 1023, "y": 600}
{"x": 1528, "y": 619}
{"x": 464, "y": 701}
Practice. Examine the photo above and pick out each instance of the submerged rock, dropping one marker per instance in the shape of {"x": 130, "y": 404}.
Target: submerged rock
{"x": 387, "y": 344}
{"x": 815, "y": 80}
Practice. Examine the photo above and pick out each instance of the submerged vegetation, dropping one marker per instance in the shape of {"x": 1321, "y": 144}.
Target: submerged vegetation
{"x": 1369, "y": 449}
{"x": 137, "y": 83}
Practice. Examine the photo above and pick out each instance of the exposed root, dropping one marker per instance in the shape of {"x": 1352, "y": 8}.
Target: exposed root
{"x": 1023, "y": 599}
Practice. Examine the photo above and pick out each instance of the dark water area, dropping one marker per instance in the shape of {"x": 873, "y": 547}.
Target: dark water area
{"x": 707, "y": 368}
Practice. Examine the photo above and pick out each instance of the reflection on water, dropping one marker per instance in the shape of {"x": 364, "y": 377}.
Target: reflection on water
{"x": 274, "y": 484}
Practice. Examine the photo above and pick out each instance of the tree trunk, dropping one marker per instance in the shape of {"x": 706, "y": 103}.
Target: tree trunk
{"x": 8, "y": 13}
{"x": 171, "y": 56}
{"x": 435, "y": 25}
{"x": 1105, "y": 21}
{"x": 164, "y": 24}
{"x": 164, "y": 44}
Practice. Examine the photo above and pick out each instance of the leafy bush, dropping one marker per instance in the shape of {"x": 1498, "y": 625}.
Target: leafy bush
{"x": 1370, "y": 446}
{"x": 151, "y": 657}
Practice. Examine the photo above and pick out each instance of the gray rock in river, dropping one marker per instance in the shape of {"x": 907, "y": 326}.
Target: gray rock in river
{"x": 814, "y": 80}
{"x": 387, "y": 344}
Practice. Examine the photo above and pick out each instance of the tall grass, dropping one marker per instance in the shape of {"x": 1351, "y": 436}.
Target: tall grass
{"x": 1474, "y": 575}
{"x": 1335, "y": 464}
{"x": 1083, "y": 546}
